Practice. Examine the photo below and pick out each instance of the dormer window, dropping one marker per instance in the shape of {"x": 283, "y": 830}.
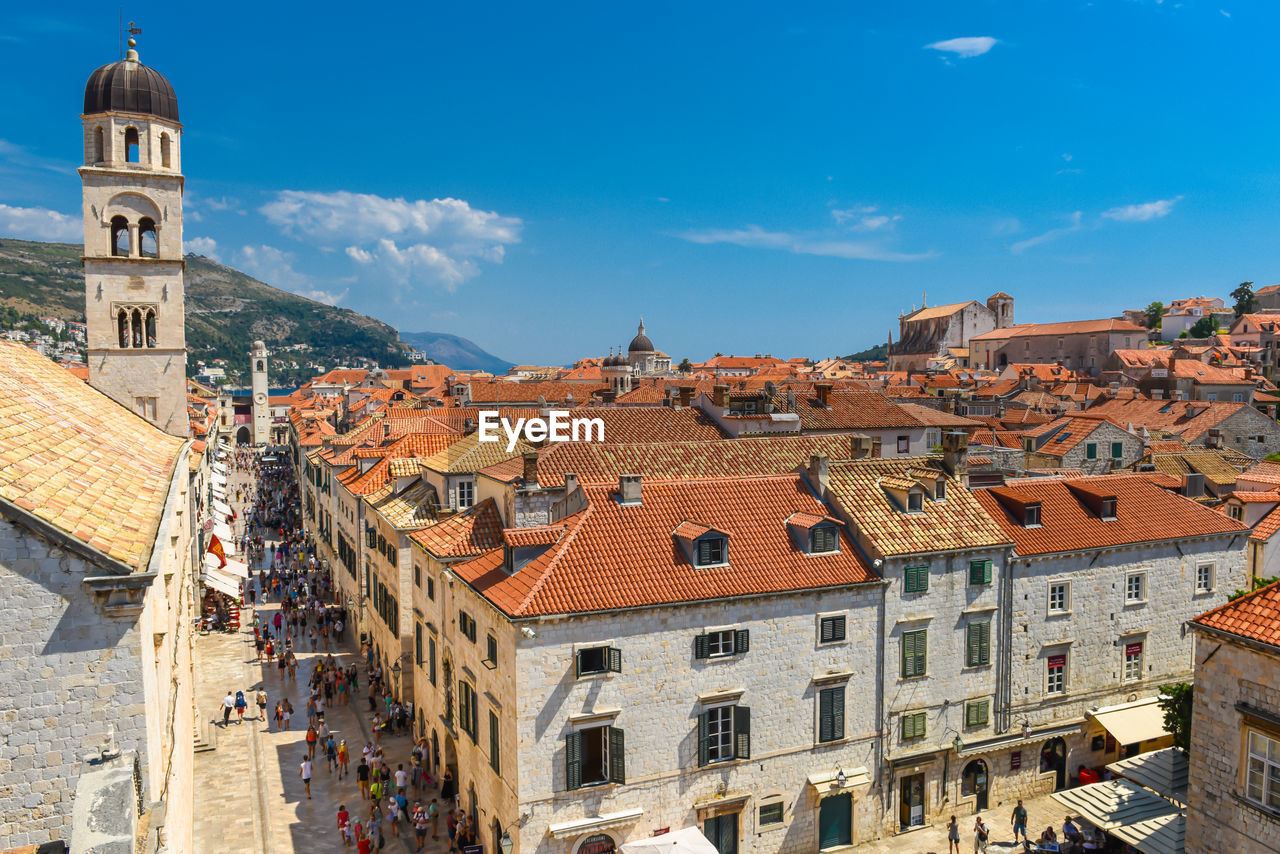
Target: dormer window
{"x": 712, "y": 551}
{"x": 702, "y": 544}
{"x": 915, "y": 502}
{"x": 940, "y": 491}
{"x": 1031, "y": 515}
{"x": 1108, "y": 508}
{"x": 823, "y": 539}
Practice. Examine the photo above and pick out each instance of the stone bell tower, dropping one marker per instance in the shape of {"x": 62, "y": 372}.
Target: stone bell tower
{"x": 132, "y": 189}
{"x": 261, "y": 401}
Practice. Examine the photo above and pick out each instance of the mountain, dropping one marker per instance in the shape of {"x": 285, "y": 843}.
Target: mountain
{"x": 877, "y": 353}
{"x": 226, "y": 311}
{"x": 458, "y": 353}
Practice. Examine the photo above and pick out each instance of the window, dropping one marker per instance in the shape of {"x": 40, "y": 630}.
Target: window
{"x": 940, "y": 491}
{"x": 467, "y": 626}
{"x": 99, "y": 150}
{"x": 904, "y": 444}
{"x": 1204, "y": 577}
{"x": 165, "y": 159}
{"x": 914, "y": 653}
{"x": 721, "y": 643}
{"x": 915, "y": 502}
{"x": 711, "y": 551}
{"x": 466, "y": 494}
{"x": 1117, "y": 450}
{"x": 822, "y": 539}
{"x": 831, "y": 714}
{"x": 599, "y": 659}
{"x": 724, "y": 733}
{"x": 831, "y": 629}
{"x": 1031, "y": 515}
{"x": 913, "y": 726}
{"x": 1091, "y": 451}
{"x": 1108, "y": 509}
{"x": 467, "y": 708}
{"x": 145, "y": 407}
{"x": 594, "y": 756}
{"x": 1056, "y": 682}
{"x": 431, "y": 660}
{"x": 417, "y": 643}
{"x": 431, "y": 588}
{"x": 120, "y": 238}
{"x": 1262, "y": 785}
{"x": 976, "y": 712}
{"x": 1211, "y": 396}
{"x": 417, "y": 576}
{"x": 1235, "y": 511}
{"x": 1237, "y": 397}
{"x": 1059, "y": 598}
{"x": 493, "y": 743}
{"x": 131, "y": 145}
{"x": 1133, "y": 661}
{"x": 1135, "y": 588}
{"x": 491, "y": 650}
{"x": 978, "y": 644}
{"x": 148, "y": 241}
{"x": 915, "y": 579}
{"x": 771, "y": 813}
{"x": 979, "y": 572}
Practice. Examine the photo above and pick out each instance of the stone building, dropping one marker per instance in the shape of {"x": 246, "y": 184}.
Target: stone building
{"x": 1234, "y": 797}
{"x": 1104, "y": 572}
{"x": 96, "y": 552}
{"x": 132, "y": 190}
{"x": 1093, "y": 445}
{"x": 1211, "y": 424}
{"x": 261, "y": 405}
{"x": 1081, "y": 345}
{"x": 931, "y": 334}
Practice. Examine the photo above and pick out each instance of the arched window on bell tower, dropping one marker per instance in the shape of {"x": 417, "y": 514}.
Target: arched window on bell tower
{"x": 164, "y": 150}
{"x": 122, "y": 325}
{"x": 99, "y": 145}
{"x": 120, "y": 237}
{"x": 135, "y": 322}
{"x": 151, "y": 327}
{"x": 148, "y": 242}
{"x": 131, "y": 145}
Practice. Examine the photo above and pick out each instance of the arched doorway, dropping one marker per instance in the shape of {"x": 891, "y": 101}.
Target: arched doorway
{"x": 975, "y": 781}
{"x": 435, "y": 752}
{"x": 242, "y": 436}
{"x": 1053, "y": 757}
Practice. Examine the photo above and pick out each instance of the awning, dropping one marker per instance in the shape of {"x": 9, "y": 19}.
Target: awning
{"x": 221, "y": 583}
{"x": 1166, "y": 834}
{"x": 827, "y": 783}
{"x": 233, "y": 567}
{"x": 688, "y": 840}
{"x": 223, "y": 533}
{"x": 220, "y": 468}
{"x": 1162, "y": 771}
{"x": 218, "y": 479}
{"x": 1130, "y": 723}
{"x": 224, "y": 509}
{"x": 590, "y": 825}
{"x": 1115, "y": 803}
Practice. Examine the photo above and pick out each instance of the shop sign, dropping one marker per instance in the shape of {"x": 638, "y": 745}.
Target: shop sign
{"x": 661, "y": 831}
{"x": 1015, "y": 760}
{"x": 601, "y": 843}
{"x": 1057, "y": 661}
{"x": 473, "y": 849}
{"x": 1133, "y": 648}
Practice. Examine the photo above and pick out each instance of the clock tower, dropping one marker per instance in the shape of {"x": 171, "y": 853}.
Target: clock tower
{"x": 261, "y": 402}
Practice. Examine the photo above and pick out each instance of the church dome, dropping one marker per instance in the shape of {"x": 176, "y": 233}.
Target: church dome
{"x": 641, "y": 343}
{"x": 128, "y": 86}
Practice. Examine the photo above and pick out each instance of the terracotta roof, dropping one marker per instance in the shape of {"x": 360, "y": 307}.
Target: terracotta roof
{"x": 469, "y": 454}
{"x": 542, "y": 535}
{"x": 937, "y": 418}
{"x": 1255, "y": 616}
{"x": 1267, "y": 526}
{"x": 954, "y": 524}
{"x": 74, "y": 458}
{"x": 937, "y": 311}
{"x": 1144, "y": 513}
{"x": 1070, "y": 327}
{"x": 1251, "y": 497}
{"x": 615, "y": 556}
{"x": 645, "y": 425}
{"x": 413, "y": 445}
{"x": 1169, "y": 416}
{"x": 471, "y": 532}
{"x": 415, "y": 507}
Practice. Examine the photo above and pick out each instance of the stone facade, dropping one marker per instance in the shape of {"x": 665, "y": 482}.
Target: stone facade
{"x": 258, "y": 367}
{"x": 1084, "y": 346}
{"x": 927, "y": 334}
{"x": 1237, "y": 692}
{"x": 1098, "y": 459}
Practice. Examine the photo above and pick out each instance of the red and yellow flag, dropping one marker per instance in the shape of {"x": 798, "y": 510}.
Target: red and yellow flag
{"x": 215, "y": 548}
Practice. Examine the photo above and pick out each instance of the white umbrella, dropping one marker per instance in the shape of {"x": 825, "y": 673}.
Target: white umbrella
{"x": 686, "y": 841}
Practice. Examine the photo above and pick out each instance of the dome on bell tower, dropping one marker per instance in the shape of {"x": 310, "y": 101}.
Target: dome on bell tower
{"x": 641, "y": 343}
{"x": 128, "y": 86}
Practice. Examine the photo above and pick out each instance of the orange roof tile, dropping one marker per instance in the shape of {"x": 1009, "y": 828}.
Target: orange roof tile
{"x": 1255, "y": 616}
{"x": 465, "y": 534}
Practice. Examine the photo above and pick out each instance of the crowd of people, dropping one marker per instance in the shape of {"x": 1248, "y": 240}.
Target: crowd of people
{"x": 397, "y": 797}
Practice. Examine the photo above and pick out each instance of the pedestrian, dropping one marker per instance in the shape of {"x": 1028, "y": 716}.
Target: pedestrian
{"x": 288, "y": 712}
{"x": 228, "y": 703}
{"x": 259, "y": 643}
{"x": 981, "y": 834}
{"x": 312, "y": 738}
{"x": 331, "y": 752}
{"x": 343, "y": 757}
{"x": 451, "y": 827}
{"x": 304, "y": 771}
{"x": 402, "y": 779}
{"x": 1019, "y": 822}
{"x": 433, "y": 815}
{"x": 344, "y": 821}
{"x": 953, "y": 836}
{"x": 420, "y": 826}
{"x": 279, "y": 715}
{"x": 393, "y": 816}
{"x": 362, "y": 777}
{"x": 446, "y": 785}
{"x": 375, "y": 790}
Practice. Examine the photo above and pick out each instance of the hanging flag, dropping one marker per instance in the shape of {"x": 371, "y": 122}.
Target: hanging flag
{"x": 215, "y": 548}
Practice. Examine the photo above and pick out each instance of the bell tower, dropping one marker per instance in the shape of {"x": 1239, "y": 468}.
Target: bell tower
{"x": 261, "y": 402}
{"x": 132, "y": 196}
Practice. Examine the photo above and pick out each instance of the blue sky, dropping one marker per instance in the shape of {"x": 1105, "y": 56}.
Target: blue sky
{"x": 750, "y": 177}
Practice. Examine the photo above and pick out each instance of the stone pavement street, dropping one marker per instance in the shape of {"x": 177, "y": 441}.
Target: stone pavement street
{"x": 1041, "y": 812}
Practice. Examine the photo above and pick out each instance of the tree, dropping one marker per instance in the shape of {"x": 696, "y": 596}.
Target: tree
{"x": 1204, "y": 327}
{"x": 1246, "y": 302}
{"x": 1258, "y": 584}
{"x": 685, "y": 366}
{"x": 1154, "y": 312}
{"x": 1176, "y": 701}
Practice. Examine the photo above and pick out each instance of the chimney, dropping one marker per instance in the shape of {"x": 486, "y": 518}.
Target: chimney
{"x": 386, "y": 430}
{"x": 720, "y": 396}
{"x": 686, "y": 395}
{"x": 629, "y": 489}
{"x": 530, "y": 474}
{"x": 819, "y": 473}
{"x": 823, "y": 390}
{"x": 860, "y": 446}
{"x": 468, "y": 426}
{"x": 1193, "y": 484}
{"x": 570, "y": 483}
{"x": 1191, "y": 409}
{"x": 955, "y": 454}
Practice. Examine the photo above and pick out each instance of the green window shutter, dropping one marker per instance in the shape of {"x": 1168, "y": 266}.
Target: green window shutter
{"x": 825, "y": 727}
{"x": 971, "y": 646}
{"x": 970, "y": 710}
{"x": 741, "y": 732}
{"x": 979, "y": 644}
{"x": 615, "y": 659}
{"x": 1091, "y": 451}
{"x": 980, "y": 572}
{"x": 573, "y": 761}
{"x": 617, "y": 756}
{"x": 702, "y": 739}
{"x": 577, "y": 667}
{"x": 417, "y": 643}
{"x": 493, "y": 743}
{"x": 984, "y": 648}
{"x": 741, "y": 641}
{"x": 701, "y": 647}
{"x": 917, "y": 579}
{"x": 1117, "y": 450}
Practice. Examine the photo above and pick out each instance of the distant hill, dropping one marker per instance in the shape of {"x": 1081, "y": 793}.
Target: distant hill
{"x": 226, "y": 311}
{"x": 878, "y": 353}
{"x": 458, "y": 353}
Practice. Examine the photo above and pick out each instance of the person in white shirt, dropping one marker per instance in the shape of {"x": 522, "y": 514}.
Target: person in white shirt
{"x": 228, "y": 703}
{"x": 304, "y": 771}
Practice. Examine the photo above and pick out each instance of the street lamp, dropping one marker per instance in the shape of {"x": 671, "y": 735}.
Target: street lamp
{"x": 395, "y": 674}
{"x": 957, "y": 745}
{"x": 840, "y": 777}
{"x": 506, "y": 843}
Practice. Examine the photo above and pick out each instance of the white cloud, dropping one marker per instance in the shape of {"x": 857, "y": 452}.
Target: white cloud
{"x": 965, "y": 47}
{"x": 801, "y": 244}
{"x": 1066, "y": 157}
{"x": 206, "y": 246}
{"x": 861, "y": 218}
{"x": 1142, "y": 212}
{"x": 441, "y": 240}
{"x": 222, "y": 203}
{"x": 275, "y": 267}
{"x": 1224, "y": 13}
{"x": 1053, "y": 234}
{"x": 40, "y": 224}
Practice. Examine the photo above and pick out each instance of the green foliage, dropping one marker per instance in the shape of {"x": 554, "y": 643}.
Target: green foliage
{"x": 1176, "y": 701}
{"x": 1182, "y": 334}
{"x": 1154, "y": 312}
{"x": 1272, "y": 458}
{"x": 1244, "y": 298}
{"x": 1204, "y": 327}
{"x": 1258, "y": 584}
{"x": 878, "y": 353}
{"x": 685, "y": 366}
